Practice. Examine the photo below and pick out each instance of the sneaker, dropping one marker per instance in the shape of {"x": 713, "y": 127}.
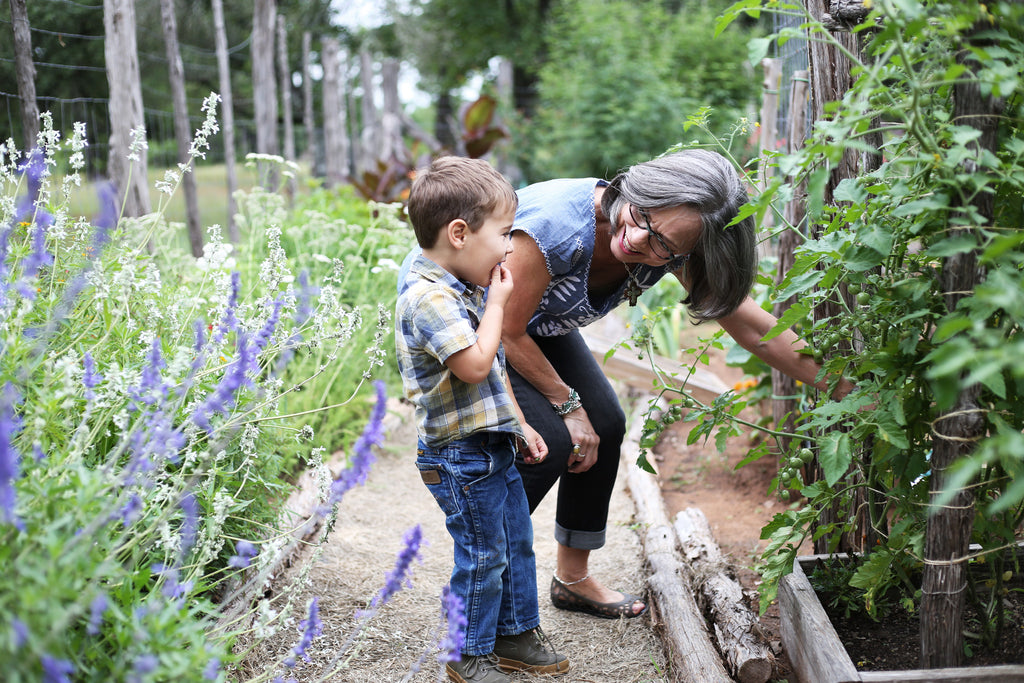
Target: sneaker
{"x": 529, "y": 651}
{"x": 476, "y": 669}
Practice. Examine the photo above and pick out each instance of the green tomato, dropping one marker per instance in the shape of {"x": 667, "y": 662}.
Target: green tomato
{"x": 863, "y": 298}
{"x": 784, "y": 494}
{"x": 796, "y": 463}
{"x": 806, "y": 455}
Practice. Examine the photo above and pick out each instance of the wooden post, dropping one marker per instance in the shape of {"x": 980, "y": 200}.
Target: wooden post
{"x": 830, "y": 79}
{"x": 335, "y": 140}
{"x": 720, "y": 596}
{"x": 182, "y": 131}
{"x": 284, "y": 75}
{"x": 783, "y": 385}
{"x": 370, "y": 137}
{"x": 957, "y": 430}
{"x": 264, "y": 89}
{"x": 227, "y": 116}
{"x": 122, "y": 59}
{"x": 309, "y": 153}
{"x": 769, "y": 127}
{"x": 25, "y": 73}
{"x": 693, "y": 655}
{"x": 392, "y": 146}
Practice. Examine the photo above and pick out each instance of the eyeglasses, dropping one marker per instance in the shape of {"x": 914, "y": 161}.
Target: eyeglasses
{"x": 655, "y": 241}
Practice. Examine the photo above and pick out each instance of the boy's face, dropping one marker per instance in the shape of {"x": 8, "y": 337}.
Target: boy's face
{"x": 487, "y": 247}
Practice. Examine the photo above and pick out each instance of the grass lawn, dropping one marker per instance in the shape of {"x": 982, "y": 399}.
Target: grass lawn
{"x": 211, "y": 188}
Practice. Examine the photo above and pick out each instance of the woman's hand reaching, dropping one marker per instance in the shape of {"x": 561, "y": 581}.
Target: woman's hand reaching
{"x": 584, "y": 436}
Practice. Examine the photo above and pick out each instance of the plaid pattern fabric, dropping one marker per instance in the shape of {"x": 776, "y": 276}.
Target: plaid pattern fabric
{"x": 435, "y": 317}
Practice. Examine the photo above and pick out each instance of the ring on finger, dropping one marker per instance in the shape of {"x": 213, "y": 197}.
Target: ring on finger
{"x": 576, "y": 449}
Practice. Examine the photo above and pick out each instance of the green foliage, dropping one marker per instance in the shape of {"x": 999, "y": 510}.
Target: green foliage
{"x": 879, "y": 253}
{"x": 618, "y": 77}
{"x": 143, "y": 426}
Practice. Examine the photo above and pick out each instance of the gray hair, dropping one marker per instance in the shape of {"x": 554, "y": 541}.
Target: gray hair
{"x": 723, "y": 264}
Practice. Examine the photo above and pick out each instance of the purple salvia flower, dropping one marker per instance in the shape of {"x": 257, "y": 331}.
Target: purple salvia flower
{"x": 34, "y": 168}
{"x": 96, "y": 609}
{"x": 200, "y": 328}
{"x": 37, "y": 452}
{"x": 56, "y": 670}
{"x": 244, "y": 552}
{"x": 173, "y": 589}
{"x": 311, "y": 628}
{"x": 230, "y": 321}
{"x": 129, "y": 512}
{"x": 362, "y": 458}
{"x": 303, "y": 310}
{"x": 401, "y": 575}
{"x": 106, "y": 219}
{"x": 151, "y": 385}
{"x": 38, "y": 219}
{"x": 212, "y": 669}
{"x": 90, "y": 377}
{"x": 144, "y": 664}
{"x": 454, "y": 615}
{"x": 38, "y": 257}
{"x": 261, "y": 338}
{"x": 20, "y": 633}
{"x": 10, "y": 459}
{"x": 158, "y": 439}
{"x": 190, "y": 524}
{"x": 222, "y": 398}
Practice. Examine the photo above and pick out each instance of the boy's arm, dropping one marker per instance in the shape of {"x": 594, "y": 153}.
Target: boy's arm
{"x": 537, "y": 449}
{"x": 473, "y": 363}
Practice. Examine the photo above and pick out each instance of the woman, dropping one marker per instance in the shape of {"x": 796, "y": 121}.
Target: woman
{"x": 580, "y": 248}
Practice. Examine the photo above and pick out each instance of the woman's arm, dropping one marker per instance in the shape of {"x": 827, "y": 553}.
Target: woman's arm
{"x": 531, "y": 276}
{"x": 748, "y": 325}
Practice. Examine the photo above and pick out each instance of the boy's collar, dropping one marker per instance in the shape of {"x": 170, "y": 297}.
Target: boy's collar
{"x": 433, "y": 271}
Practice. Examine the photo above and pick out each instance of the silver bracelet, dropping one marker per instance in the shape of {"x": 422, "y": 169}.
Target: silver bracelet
{"x": 571, "y": 404}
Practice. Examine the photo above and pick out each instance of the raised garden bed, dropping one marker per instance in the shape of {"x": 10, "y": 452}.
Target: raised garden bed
{"x": 817, "y": 653}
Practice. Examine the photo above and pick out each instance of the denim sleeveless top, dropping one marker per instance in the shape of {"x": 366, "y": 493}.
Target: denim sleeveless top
{"x": 559, "y": 216}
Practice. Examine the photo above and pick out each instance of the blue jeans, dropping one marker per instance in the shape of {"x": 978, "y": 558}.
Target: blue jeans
{"x": 478, "y": 488}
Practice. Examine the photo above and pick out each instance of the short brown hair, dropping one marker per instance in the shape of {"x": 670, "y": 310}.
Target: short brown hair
{"x": 456, "y": 187}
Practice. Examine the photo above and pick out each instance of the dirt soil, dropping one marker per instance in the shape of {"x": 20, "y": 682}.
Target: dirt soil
{"x": 735, "y": 501}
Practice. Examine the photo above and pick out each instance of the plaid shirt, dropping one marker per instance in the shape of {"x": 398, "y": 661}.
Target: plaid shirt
{"x": 435, "y": 317}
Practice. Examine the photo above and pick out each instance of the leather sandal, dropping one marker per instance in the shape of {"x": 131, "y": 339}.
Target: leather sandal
{"x": 563, "y": 598}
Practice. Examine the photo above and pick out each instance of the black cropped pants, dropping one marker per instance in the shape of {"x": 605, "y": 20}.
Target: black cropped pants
{"x": 582, "y": 510}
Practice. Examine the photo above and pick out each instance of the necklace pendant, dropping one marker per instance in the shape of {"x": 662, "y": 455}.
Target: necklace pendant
{"x": 633, "y": 291}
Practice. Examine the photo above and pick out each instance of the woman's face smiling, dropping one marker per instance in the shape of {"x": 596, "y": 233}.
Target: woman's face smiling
{"x": 678, "y": 227}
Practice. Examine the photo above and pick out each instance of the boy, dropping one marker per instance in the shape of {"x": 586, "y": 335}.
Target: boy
{"x": 469, "y": 424}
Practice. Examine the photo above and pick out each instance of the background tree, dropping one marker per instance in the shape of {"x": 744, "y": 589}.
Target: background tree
{"x": 227, "y": 116}
{"x": 26, "y": 72}
{"x": 450, "y": 40}
{"x": 595, "y": 116}
{"x": 127, "y": 161}
{"x": 182, "y": 131}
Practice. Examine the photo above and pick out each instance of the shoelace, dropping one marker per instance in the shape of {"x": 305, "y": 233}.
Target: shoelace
{"x": 544, "y": 641}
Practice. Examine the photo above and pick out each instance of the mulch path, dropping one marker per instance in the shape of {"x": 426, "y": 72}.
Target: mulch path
{"x": 361, "y": 549}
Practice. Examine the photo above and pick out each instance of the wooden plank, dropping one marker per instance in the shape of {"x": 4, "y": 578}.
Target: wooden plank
{"x": 624, "y": 366}
{"x": 811, "y": 642}
{"x": 1005, "y": 673}
{"x": 693, "y": 655}
{"x": 720, "y": 596}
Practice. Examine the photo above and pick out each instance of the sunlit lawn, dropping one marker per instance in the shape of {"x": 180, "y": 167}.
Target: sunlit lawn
{"x": 211, "y": 190}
